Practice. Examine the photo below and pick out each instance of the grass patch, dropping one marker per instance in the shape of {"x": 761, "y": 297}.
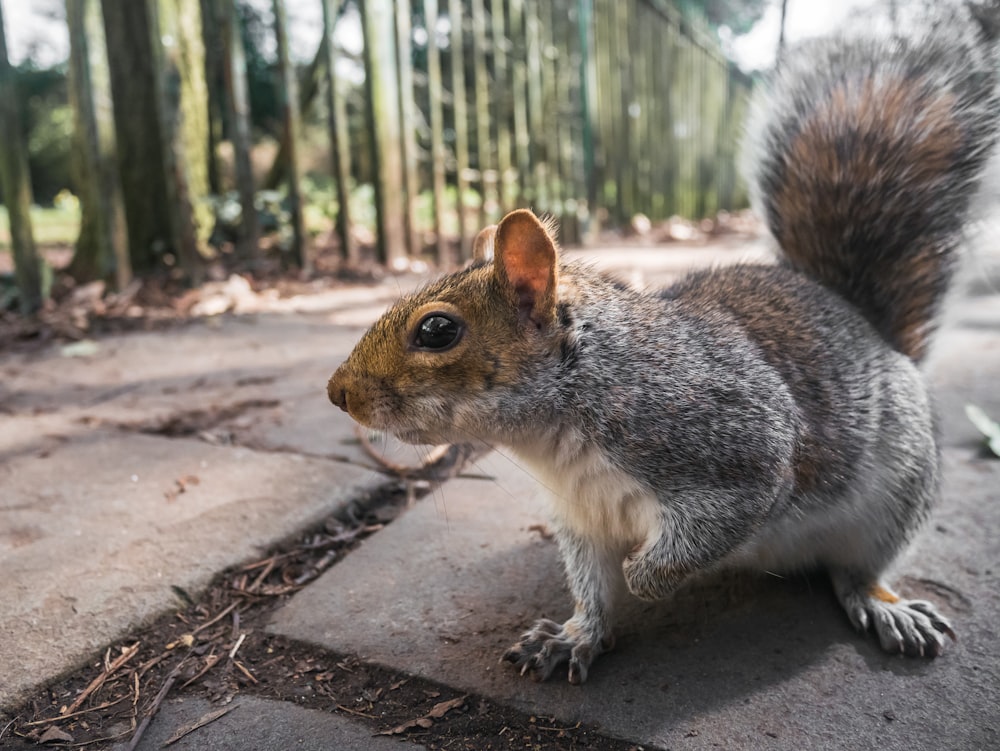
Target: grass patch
{"x": 50, "y": 226}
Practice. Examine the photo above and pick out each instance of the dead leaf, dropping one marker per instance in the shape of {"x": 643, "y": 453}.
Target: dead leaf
{"x": 443, "y": 707}
{"x": 180, "y": 486}
{"x": 188, "y": 480}
{"x": 187, "y": 640}
{"x": 421, "y": 722}
{"x": 55, "y": 735}
{"x": 438, "y": 711}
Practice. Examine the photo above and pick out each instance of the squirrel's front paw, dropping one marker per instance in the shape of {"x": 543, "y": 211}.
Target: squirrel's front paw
{"x": 647, "y": 580}
{"x": 549, "y": 644}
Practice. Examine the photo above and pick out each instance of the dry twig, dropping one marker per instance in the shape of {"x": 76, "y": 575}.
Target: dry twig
{"x": 127, "y": 654}
{"x": 247, "y": 673}
{"x": 61, "y": 717}
{"x": 199, "y": 723}
{"x": 155, "y": 707}
{"x": 210, "y": 662}
{"x": 217, "y": 618}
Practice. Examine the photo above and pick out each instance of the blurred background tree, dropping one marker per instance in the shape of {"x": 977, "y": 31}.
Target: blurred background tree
{"x": 159, "y": 144}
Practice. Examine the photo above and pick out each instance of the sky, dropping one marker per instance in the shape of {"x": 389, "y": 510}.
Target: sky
{"x": 37, "y": 27}
{"x": 804, "y": 19}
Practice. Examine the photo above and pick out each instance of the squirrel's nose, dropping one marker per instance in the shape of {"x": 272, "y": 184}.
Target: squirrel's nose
{"x": 337, "y": 394}
{"x": 339, "y": 397}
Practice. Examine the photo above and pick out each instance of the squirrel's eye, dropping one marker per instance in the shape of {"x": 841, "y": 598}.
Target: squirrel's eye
{"x": 438, "y": 332}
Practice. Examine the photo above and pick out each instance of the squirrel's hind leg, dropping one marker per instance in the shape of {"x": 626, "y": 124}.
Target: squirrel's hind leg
{"x": 911, "y": 627}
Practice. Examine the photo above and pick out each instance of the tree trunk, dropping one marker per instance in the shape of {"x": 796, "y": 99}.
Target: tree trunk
{"x": 307, "y": 93}
{"x": 130, "y": 40}
{"x": 237, "y": 99}
{"x": 340, "y": 150}
{"x": 161, "y": 129}
{"x": 102, "y": 248}
{"x": 16, "y": 184}
{"x": 214, "y": 40}
{"x": 185, "y": 111}
{"x": 288, "y": 94}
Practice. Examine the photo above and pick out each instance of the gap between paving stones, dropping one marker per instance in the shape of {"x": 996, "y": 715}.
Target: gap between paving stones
{"x": 217, "y": 649}
{"x": 214, "y": 425}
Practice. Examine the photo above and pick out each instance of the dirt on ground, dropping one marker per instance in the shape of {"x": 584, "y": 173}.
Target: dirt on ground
{"x": 217, "y": 648}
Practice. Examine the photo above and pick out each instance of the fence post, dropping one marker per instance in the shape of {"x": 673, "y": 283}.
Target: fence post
{"x": 381, "y": 85}
{"x": 536, "y": 120}
{"x": 238, "y": 108}
{"x": 445, "y": 258}
{"x": 340, "y": 150}
{"x": 519, "y": 99}
{"x": 407, "y": 114}
{"x": 502, "y": 104}
{"x": 588, "y": 80}
{"x": 461, "y": 121}
{"x": 289, "y": 98}
{"x": 482, "y": 106}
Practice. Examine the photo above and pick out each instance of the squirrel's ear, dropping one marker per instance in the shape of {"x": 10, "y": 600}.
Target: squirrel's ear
{"x": 525, "y": 263}
{"x": 482, "y": 246}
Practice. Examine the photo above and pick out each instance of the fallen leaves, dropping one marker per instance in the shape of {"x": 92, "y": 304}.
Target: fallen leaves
{"x": 438, "y": 711}
{"x": 55, "y": 735}
{"x": 181, "y": 485}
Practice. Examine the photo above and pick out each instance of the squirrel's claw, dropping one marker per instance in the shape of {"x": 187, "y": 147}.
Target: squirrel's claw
{"x": 548, "y": 644}
{"x": 904, "y": 629}
{"x": 909, "y": 627}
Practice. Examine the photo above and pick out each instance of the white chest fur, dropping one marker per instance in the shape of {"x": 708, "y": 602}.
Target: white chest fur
{"x": 589, "y": 495}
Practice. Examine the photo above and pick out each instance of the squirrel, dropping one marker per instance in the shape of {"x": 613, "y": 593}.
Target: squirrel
{"x": 766, "y": 416}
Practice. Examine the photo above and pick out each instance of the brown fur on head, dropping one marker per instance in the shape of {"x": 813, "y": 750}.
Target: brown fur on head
{"x": 442, "y": 348}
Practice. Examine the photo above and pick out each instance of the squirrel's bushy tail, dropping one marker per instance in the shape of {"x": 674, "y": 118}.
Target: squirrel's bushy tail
{"x": 869, "y": 153}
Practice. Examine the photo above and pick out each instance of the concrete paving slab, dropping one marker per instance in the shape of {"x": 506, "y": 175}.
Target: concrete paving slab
{"x": 95, "y": 534}
{"x": 733, "y": 662}
{"x": 92, "y": 530}
{"x": 84, "y": 552}
{"x": 266, "y": 375}
{"x": 262, "y": 725}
